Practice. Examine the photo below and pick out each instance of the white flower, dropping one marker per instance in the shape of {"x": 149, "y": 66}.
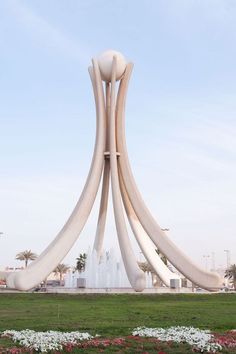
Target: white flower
{"x": 202, "y": 340}
{"x": 45, "y": 341}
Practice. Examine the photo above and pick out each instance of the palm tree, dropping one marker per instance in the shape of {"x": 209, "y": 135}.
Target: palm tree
{"x": 81, "y": 262}
{"x": 26, "y": 256}
{"x": 61, "y": 269}
{"x": 145, "y": 267}
{"x": 231, "y": 274}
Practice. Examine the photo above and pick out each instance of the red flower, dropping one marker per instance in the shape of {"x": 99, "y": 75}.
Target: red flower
{"x": 228, "y": 339}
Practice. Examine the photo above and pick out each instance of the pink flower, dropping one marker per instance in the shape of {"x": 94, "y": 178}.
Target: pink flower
{"x": 228, "y": 339}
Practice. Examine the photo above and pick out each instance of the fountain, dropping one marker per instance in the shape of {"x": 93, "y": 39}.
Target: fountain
{"x": 102, "y": 273}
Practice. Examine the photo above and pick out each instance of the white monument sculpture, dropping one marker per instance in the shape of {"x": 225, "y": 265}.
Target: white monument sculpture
{"x": 110, "y": 161}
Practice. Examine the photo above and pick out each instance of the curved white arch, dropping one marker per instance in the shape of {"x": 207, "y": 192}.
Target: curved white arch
{"x": 135, "y": 275}
{"x": 145, "y": 244}
{"x": 204, "y": 279}
{"x": 101, "y": 223}
{"x": 59, "y": 247}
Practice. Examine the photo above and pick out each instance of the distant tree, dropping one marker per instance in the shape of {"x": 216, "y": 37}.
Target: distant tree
{"x": 162, "y": 256}
{"x": 61, "y": 269}
{"x": 26, "y": 256}
{"x": 81, "y": 262}
{"x": 145, "y": 267}
{"x": 231, "y": 275}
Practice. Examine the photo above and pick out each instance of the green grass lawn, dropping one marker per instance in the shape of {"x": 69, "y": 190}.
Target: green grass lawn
{"x": 116, "y": 315}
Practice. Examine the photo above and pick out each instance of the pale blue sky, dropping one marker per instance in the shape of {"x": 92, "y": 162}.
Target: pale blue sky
{"x": 181, "y": 117}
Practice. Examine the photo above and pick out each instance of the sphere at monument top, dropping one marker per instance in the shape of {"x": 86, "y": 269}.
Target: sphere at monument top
{"x": 105, "y": 64}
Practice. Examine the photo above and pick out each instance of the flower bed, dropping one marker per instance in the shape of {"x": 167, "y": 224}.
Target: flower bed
{"x": 157, "y": 339}
{"x": 45, "y": 341}
{"x": 227, "y": 340}
{"x": 201, "y": 340}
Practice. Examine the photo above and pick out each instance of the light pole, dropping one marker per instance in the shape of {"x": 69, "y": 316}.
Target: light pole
{"x": 227, "y": 258}
{"x": 213, "y": 264}
{"x": 206, "y": 261}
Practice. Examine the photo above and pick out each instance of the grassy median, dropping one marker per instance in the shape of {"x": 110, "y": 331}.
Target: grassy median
{"x": 116, "y": 315}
